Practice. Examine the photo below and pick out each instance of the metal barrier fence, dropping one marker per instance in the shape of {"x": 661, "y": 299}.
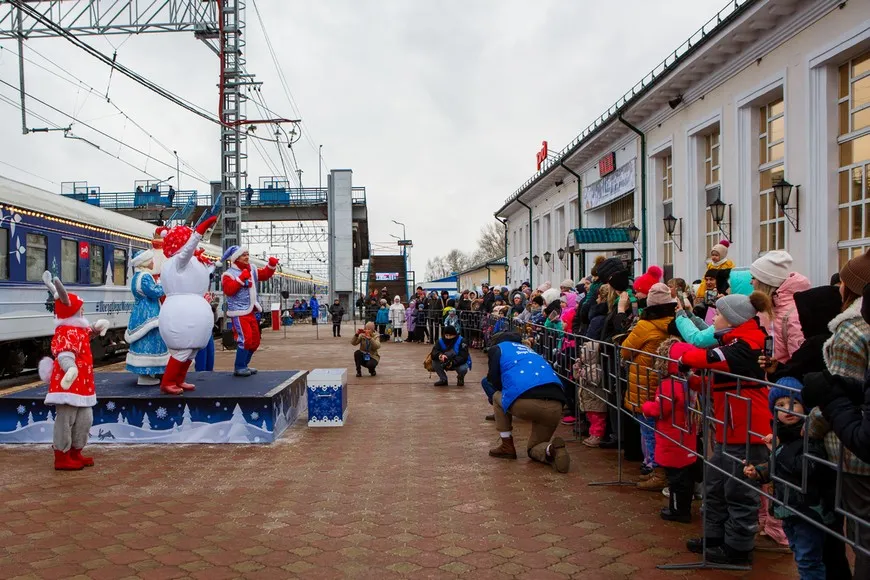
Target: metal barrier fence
{"x": 699, "y": 410}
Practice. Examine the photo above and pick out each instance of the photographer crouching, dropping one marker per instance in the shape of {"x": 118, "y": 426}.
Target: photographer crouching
{"x": 369, "y": 343}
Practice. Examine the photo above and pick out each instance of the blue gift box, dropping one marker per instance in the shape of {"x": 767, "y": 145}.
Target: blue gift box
{"x": 327, "y": 397}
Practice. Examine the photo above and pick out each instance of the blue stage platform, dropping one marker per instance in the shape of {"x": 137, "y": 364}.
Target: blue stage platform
{"x": 222, "y": 409}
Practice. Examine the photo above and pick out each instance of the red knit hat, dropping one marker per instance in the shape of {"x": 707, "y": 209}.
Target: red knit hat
{"x": 62, "y": 310}
{"x": 653, "y": 276}
{"x": 66, "y": 305}
{"x": 175, "y": 240}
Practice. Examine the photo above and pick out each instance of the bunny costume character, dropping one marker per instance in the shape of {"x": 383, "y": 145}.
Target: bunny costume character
{"x": 186, "y": 319}
{"x": 70, "y": 377}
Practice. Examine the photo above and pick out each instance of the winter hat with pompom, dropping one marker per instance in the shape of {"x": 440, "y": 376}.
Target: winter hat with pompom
{"x": 722, "y": 249}
{"x": 653, "y": 276}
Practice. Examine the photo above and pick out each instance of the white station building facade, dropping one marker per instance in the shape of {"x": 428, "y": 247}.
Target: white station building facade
{"x": 756, "y": 129}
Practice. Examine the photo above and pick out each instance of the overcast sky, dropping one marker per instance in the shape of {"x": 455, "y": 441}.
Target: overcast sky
{"x": 438, "y": 107}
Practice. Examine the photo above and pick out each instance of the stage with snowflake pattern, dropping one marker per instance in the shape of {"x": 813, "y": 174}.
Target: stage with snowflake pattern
{"x": 222, "y": 409}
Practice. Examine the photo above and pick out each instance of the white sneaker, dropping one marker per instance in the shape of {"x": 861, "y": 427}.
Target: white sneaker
{"x": 666, "y": 492}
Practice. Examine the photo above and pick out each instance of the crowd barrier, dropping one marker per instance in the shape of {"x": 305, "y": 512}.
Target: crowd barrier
{"x": 603, "y": 371}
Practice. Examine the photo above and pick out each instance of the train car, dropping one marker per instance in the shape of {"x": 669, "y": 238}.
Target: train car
{"x": 89, "y": 249}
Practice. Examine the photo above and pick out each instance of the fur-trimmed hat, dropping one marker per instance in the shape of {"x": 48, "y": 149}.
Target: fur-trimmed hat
{"x": 66, "y": 305}
{"x": 142, "y": 257}
{"x": 233, "y": 253}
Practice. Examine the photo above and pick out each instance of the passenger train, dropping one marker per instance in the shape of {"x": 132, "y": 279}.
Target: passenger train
{"x": 89, "y": 249}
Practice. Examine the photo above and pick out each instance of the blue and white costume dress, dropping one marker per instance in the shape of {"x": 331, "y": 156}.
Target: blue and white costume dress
{"x": 148, "y": 355}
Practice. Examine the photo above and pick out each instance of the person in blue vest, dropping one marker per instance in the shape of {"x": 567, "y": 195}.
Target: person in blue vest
{"x": 521, "y": 383}
{"x": 450, "y": 353}
{"x": 239, "y": 284}
{"x": 315, "y": 309}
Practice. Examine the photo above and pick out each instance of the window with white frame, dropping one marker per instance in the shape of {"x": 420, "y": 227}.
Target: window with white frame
{"x": 620, "y": 213}
{"x": 854, "y": 144}
{"x": 712, "y": 186}
{"x": 771, "y": 152}
{"x": 666, "y": 163}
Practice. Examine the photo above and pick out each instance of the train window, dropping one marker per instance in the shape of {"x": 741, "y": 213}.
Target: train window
{"x": 37, "y": 257}
{"x": 98, "y": 274}
{"x": 4, "y": 254}
{"x": 119, "y": 276}
{"x": 69, "y": 261}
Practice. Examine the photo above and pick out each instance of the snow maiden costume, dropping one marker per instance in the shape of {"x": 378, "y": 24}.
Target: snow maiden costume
{"x": 147, "y": 356}
{"x": 70, "y": 377}
{"x": 239, "y": 284}
{"x": 186, "y": 319}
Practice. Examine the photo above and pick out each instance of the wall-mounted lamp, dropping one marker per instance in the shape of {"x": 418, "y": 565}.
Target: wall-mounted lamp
{"x": 782, "y": 195}
{"x": 559, "y": 182}
{"x": 526, "y": 261}
{"x": 633, "y": 233}
{"x": 717, "y": 212}
{"x": 675, "y": 102}
{"x": 547, "y": 257}
{"x": 536, "y": 259}
{"x": 561, "y": 253}
{"x": 670, "y": 228}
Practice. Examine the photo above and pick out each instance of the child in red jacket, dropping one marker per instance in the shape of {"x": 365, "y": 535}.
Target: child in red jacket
{"x": 741, "y": 419}
{"x": 676, "y": 440}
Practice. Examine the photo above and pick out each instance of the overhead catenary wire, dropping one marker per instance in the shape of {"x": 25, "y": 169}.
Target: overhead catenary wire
{"x": 78, "y": 82}
{"x": 104, "y": 134}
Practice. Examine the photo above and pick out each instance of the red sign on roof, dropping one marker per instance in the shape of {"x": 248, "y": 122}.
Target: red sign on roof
{"x": 607, "y": 164}
{"x": 541, "y": 156}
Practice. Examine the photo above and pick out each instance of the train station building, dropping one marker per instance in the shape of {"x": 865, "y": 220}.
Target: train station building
{"x": 756, "y": 129}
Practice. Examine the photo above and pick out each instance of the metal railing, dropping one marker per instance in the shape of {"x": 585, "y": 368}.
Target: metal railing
{"x": 708, "y": 401}
{"x": 271, "y": 197}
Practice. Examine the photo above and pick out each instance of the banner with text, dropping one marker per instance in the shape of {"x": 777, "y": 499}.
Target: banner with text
{"x": 611, "y": 187}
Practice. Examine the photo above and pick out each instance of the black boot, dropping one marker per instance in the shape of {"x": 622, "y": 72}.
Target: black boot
{"x": 696, "y": 545}
{"x": 679, "y": 508}
{"x": 359, "y": 371}
{"x": 725, "y": 554}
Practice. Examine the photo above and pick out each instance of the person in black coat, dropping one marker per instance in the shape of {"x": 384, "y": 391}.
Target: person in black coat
{"x": 336, "y": 310}
{"x": 816, "y": 307}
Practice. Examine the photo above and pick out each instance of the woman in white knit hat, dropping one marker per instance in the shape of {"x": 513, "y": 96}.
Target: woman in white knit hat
{"x": 774, "y": 275}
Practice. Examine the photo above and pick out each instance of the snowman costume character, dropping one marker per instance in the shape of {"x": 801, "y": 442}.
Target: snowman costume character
{"x": 70, "y": 376}
{"x": 147, "y": 356}
{"x": 239, "y": 284}
{"x": 186, "y": 319}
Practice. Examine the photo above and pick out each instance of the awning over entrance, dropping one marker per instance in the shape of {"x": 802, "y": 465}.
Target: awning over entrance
{"x": 602, "y": 239}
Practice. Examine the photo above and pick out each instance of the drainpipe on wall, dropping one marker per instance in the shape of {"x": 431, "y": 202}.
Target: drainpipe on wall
{"x": 504, "y": 223}
{"x": 643, "y": 228}
{"x": 531, "y": 263}
{"x": 579, "y": 217}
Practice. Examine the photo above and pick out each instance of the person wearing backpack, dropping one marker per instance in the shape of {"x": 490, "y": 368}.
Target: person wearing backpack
{"x": 450, "y": 353}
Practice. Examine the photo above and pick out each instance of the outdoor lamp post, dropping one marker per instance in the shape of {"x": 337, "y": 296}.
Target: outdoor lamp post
{"x": 782, "y": 195}
{"x": 670, "y": 228}
{"x": 717, "y": 213}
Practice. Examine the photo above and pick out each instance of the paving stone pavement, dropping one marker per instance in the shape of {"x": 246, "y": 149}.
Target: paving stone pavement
{"x": 404, "y": 490}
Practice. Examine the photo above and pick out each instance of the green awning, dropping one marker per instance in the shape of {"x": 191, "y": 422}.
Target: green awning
{"x": 584, "y": 236}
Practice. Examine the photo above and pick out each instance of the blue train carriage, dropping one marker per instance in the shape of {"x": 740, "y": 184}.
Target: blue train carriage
{"x": 87, "y": 247}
